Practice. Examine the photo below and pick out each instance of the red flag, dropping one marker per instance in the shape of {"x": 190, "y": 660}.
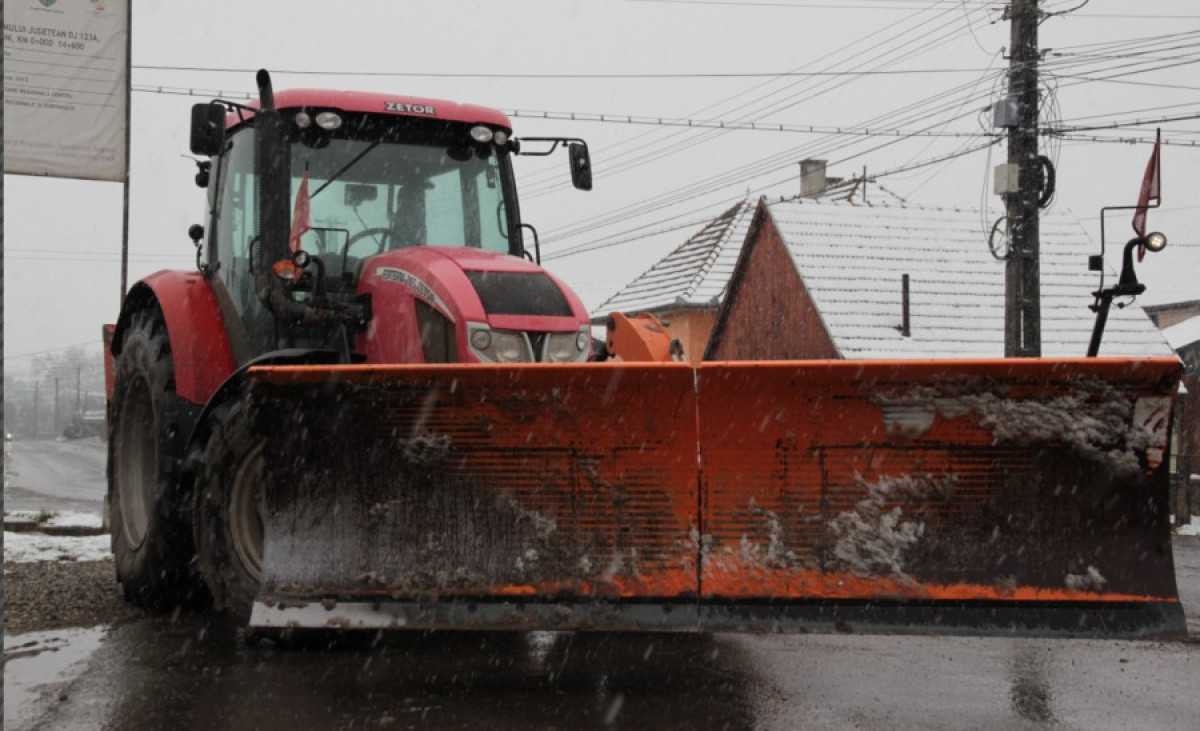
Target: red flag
{"x": 301, "y": 220}
{"x": 1150, "y": 192}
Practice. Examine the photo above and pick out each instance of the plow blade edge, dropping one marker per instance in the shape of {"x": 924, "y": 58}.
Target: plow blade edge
{"x": 969, "y": 496}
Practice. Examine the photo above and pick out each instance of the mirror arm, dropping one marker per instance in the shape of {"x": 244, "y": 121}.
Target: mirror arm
{"x": 537, "y": 245}
{"x": 556, "y": 140}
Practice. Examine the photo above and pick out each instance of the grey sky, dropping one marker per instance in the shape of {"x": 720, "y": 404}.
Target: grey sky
{"x": 63, "y": 238}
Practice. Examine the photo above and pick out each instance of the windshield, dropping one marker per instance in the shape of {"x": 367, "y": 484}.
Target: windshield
{"x": 370, "y": 196}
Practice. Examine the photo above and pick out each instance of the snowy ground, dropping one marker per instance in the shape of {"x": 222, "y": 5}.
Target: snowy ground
{"x": 39, "y": 546}
{"x": 1192, "y": 529}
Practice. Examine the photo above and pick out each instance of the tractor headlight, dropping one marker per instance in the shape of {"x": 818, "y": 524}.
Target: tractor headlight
{"x": 567, "y": 347}
{"x": 482, "y": 134}
{"x": 510, "y": 347}
{"x": 481, "y": 339}
{"x": 329, "y": 120}
{"x": 498, "y": 346}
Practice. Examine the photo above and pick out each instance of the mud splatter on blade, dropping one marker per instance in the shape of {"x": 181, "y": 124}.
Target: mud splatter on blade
{"x": 1025, "y": 496}
{"x": 417, "y": 485}
{"x": 1031, "y": 491}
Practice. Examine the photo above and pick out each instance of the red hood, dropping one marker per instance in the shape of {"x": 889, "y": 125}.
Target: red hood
{"x": 441, "y": 277}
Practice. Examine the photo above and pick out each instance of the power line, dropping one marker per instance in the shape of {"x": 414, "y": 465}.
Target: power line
{"x": 1129, "y": 111}
{"x": 36, "y": 353}
{"x": 1140, "y": 84}
{"x": 737, "y": 176}
{"x": 1137, "y": 16}
{"x": 636, "y": 119}
{"x": 1127, "y": 140}
{"x": 883, "y": 51}
{"x": 1120, "y": 124}
{"x": 615, "y": 240}
{"x": 733, "y": 125}
{"x": 1139, "y": 41}
{"x": 830, "y": 4}
{"x": 926, "y": 34}
{"x": 565, "y": 76}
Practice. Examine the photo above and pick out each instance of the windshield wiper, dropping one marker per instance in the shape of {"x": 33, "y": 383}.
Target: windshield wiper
{"x": 345, "y": 167}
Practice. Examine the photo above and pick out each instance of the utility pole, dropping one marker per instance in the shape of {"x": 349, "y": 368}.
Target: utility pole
{"x": 1022, "y": 293}
{"x": 36, "y": 412}
{"x": 57, "y": 426}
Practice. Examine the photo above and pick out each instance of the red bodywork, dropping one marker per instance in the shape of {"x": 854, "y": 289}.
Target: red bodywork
{"x": 438, "y": 277}
{"x": 199, "y": 346}
{"x": 386, "y": 104}
{"x": 203, "y": 357}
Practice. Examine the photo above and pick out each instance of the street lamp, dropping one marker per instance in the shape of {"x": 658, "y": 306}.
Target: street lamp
{"x": 1127, "y": 285}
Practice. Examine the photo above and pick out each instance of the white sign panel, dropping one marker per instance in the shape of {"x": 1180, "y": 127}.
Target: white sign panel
{"x": 65, "y": 78}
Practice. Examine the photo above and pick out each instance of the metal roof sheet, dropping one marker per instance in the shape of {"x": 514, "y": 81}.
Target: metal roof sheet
{"x": 693, "y": 275}
{"x": 1183, "y": 334}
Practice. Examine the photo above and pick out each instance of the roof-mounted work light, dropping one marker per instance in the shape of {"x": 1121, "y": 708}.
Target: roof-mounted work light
{"x": 1127, "y": 286}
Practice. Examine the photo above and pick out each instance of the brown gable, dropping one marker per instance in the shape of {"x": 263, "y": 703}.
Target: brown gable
{"x": 767, "y": 313}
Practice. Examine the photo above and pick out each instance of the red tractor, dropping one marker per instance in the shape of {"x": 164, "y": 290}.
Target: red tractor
{"x": 370, "y": 407}
{"x": 343, "y": 228}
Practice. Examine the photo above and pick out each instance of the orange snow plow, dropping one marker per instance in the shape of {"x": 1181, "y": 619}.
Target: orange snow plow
{"x": 1025, "y": 496}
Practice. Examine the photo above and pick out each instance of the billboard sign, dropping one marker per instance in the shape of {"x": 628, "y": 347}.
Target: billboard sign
{"x": 66, "y": 80}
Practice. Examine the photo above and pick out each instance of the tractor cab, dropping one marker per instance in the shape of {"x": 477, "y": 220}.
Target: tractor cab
{"x": 306, "y": 186}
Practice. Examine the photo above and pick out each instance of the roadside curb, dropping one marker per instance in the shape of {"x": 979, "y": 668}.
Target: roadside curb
{"x": 71, "y": 531}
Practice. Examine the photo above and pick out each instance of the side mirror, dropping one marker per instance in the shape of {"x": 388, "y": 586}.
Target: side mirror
{"x": 208, "y": 129}
{"x": 581, "y": 165}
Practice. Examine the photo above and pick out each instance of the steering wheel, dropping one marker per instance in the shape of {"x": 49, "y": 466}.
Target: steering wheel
{"x": 375, "y": 231}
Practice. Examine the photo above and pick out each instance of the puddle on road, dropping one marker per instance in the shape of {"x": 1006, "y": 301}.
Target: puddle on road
{"x": 39, "y": 666}
{"x": 198, "y": 672}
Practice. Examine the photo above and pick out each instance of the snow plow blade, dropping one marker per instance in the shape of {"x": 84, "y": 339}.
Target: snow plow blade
{"x": 973, "y": 497}
{"x": 527, "y": 497}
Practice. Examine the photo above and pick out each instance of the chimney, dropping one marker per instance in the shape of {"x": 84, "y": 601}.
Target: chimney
{"x": 812, "y": 178}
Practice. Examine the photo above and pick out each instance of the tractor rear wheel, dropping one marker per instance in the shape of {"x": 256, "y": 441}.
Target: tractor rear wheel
{"x": 151, "y": 536}
{"x": 230, "y": 510}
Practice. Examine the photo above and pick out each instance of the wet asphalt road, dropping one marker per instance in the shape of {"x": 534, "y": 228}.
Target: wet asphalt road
{"x": 192, "y": 674}
{"x": 195, "y": 672}
{"x": 50, "y": 475}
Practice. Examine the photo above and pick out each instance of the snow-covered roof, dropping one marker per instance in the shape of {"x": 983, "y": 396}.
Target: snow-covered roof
{"x": 851, "y": 258}
{"x": 1169, "y": 275}
{"x": 1182, "y": 334}
{"x": 693, "y": 275}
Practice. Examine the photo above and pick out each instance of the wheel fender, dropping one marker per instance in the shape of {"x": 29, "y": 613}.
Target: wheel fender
{"x": 199, "y": 344}
{"x": 232, "y": 385}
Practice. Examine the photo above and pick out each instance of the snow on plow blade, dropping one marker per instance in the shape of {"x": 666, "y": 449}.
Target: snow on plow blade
{"x": 970, "y": 497}
{"x": 1001, "y": 496}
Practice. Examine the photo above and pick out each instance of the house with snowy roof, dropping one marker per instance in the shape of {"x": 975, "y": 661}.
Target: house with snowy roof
{"x": 685, "y": 289}
{"x": 809, "y": 278}
{"x": 820, "y": 279}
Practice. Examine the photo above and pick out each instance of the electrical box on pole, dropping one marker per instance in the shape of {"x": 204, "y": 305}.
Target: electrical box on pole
{"x": 1022, "y": 296}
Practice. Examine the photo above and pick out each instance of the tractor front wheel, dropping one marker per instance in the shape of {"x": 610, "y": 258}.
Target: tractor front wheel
{"x": 151, "y": 537}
